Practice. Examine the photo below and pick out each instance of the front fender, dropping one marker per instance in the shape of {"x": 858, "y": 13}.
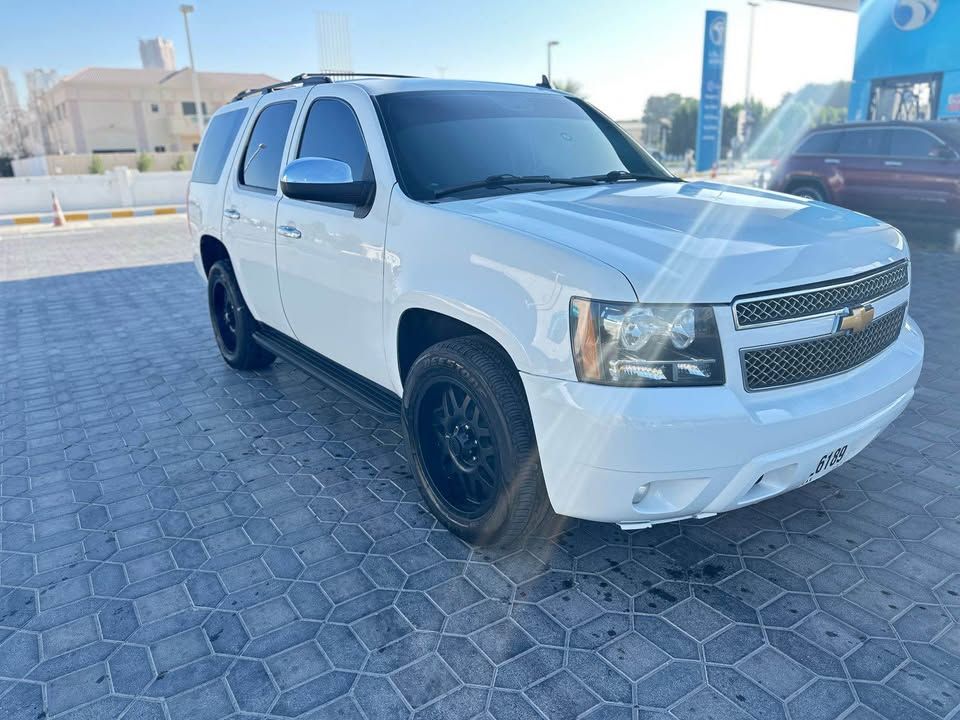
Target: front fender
{"x": 513, "y": 286}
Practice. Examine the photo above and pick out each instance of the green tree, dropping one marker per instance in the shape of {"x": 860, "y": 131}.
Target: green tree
{"x": 657, "y": 109}
{"x": 144, "y": 162}
{"x": 683, "y": 127}
{"x": 574, "y": 87}
{"x": 96, "y": 165}
{"x": 731, "y": 119}
{"x": 812, "y": 105}
{"x": 180, "y": 163}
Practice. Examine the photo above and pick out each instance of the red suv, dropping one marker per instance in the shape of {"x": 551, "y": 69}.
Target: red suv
{"x": 879, "y": 168}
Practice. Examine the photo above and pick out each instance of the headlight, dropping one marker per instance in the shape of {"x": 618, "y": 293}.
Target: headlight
{"x": 646, "y": 345}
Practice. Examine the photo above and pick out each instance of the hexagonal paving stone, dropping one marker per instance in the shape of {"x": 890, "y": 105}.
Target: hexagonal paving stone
{"x": 180, "y": 540}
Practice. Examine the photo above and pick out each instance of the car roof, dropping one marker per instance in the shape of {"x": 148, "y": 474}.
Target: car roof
{"x": 932, "y": 125}
{"x": 382, "y": 86}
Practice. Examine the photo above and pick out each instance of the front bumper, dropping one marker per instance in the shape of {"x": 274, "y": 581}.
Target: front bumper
{"x": 638, "y": 456}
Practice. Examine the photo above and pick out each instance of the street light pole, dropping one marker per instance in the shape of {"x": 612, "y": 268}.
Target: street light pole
{"x": 746, "y": 96}
{"x": 551, "y": 44}
{"x": 186, "y": 10}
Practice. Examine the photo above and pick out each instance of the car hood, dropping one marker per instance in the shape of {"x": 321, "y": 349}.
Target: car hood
{"x": 698, "y": 241}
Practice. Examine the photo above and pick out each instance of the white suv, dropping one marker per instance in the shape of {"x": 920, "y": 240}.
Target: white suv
{"x": 557, "y": 320}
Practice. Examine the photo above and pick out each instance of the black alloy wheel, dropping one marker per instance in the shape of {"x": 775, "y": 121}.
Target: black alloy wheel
{"x": 472, "y": 445}
{"x": 224, "y": 314}
{"x": 461, "y": 461}
{"x": 233, "y": 325}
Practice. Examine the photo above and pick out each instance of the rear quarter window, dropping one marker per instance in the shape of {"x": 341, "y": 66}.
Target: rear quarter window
{"x": 821, "y": 143}
{"x": 217, "y": 141}
{"x": 864, "y": 141}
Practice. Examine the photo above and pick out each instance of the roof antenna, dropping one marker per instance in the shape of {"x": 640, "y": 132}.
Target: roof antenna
{"x": 544, "y": 82}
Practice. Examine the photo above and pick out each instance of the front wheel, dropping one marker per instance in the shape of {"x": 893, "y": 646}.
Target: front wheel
{"x": 472, "y": 444}
{"x": 808, "y": 192}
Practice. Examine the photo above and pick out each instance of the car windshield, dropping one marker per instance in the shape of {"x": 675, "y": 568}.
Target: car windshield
{"x": 445, "y": 139}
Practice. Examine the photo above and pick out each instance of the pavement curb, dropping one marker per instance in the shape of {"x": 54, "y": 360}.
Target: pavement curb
{"x": 80, "y": 216}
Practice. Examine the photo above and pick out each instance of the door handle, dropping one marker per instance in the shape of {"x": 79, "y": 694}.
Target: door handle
{"x": 892, "y": 163}
{"x": 289, "y": 231}
{"x": 831, "y": 161}
{"x": 231, "y": 214}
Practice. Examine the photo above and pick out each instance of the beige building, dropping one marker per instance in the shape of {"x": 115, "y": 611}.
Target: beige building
{"x": 134, "y": 110}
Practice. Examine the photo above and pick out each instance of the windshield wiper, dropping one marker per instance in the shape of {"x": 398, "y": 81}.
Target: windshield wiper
{"x": 496, "y": 181}
{"x": 617, "y": 175}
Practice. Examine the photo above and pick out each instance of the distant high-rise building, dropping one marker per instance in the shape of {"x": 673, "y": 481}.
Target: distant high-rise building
{"x": 8, "y": 93}
{"x": 38, "y": 82}
{"x": 158, "y": 54}
{"x": 41, "y": 110}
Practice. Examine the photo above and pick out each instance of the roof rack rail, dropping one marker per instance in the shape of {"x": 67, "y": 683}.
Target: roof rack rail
{"x": 350, "y": 75}
{"x": 312, "y": 79}
{"x": 301, "y": 79}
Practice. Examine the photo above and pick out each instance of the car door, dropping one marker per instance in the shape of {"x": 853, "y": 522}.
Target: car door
{"x": 250, "y": 204}
{"x": 862, "y": 180}
{"x": 921, "y": 163}
{"x": 330, "y": 257}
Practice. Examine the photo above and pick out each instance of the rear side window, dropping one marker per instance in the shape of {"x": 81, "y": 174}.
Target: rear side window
{"x": 821, "y": 143}
{"x": 217, "y": 141}
{"x": 913, "y": 143}
{"x": 332, "y": 131}
{"x": 260, "y": 164}
{"x": 862, "y": 142}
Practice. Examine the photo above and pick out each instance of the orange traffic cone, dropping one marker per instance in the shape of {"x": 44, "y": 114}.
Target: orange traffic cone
{"x": 58, "y": 218}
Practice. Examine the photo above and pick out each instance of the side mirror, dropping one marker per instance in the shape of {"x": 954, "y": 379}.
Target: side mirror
{"x": 324, "y": 180}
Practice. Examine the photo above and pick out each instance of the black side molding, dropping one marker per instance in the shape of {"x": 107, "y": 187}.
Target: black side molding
{"x": 372, "y": 397}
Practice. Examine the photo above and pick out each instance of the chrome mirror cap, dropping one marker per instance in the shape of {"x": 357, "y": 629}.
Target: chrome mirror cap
{"x": 317, "y": 171}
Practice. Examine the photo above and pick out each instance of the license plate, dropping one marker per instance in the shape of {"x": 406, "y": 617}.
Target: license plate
{"x": 827, "y": 462}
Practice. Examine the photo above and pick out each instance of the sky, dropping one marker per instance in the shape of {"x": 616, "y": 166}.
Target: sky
{"x": 621, "y": 51}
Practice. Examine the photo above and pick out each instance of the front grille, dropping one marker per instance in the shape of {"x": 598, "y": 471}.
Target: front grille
{"x": 824, "y": 299}
{"x": 778, "y": 365}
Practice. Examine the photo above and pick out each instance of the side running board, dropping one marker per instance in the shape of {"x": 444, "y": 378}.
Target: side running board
{"x": 367, "y": 394}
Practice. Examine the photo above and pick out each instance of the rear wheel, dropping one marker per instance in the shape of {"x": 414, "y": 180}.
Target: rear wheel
{"x": 472, "y": 443}
{"x": 808, "y": 191}
{"x": 233, "y": 325}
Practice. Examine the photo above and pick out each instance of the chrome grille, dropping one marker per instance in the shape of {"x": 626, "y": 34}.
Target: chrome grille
{"x": 822, "y": 300}
{"x": 779, "y": 365}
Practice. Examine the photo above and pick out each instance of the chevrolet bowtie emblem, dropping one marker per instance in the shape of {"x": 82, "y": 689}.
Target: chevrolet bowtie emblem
{"x": 856, "y": 319}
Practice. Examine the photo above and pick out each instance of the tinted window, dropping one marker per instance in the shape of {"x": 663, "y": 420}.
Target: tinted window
{"x": 190, "y": 108}
{"x": 332, "y": 131}
{"x": 821, "y": 143}
{"x": 913, "y": 143}
{"x": 951, "y": 133}
{"x": 217, "y": 141}
{"x": 862, "y": 142}
{"x": 442, "y": 139}
{"x": 260, "y": 165}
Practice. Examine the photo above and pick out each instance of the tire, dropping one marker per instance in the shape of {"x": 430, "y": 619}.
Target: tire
{"x": 233, "y": 325}
{"x": 483, "y": 481}
{"x": 808, "y": 191}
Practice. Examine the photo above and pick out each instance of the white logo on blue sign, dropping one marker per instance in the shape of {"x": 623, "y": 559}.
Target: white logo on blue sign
{"x": 914, "y": 14}
{"x": 717, "y": 30}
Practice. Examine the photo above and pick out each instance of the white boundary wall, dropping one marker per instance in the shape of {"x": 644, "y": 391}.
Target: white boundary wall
{"x": 118, "y": 188}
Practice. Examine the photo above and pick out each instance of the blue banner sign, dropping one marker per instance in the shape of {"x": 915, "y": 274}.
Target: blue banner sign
{"x": 710, "y": 118}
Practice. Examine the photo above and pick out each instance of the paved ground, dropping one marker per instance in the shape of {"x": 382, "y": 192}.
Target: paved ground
{"x": 178, "y": 540}
{"x": 31, "y": 251}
